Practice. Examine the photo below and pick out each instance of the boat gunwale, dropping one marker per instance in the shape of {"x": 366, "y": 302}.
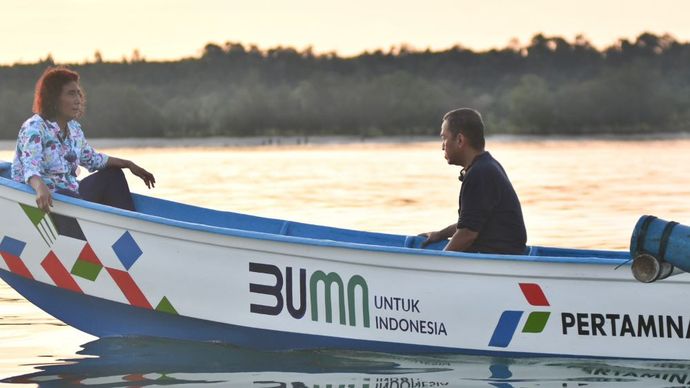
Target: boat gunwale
{"x": 250, "y": 234}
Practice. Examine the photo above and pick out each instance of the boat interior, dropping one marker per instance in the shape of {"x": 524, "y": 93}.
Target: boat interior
{"x": 229, "y": 220}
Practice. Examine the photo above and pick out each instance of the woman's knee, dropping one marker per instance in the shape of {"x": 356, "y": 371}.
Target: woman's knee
{"x": 113, "y": 173}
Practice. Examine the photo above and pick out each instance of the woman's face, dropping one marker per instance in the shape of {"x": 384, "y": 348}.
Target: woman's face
{"x": 69, "y": 104}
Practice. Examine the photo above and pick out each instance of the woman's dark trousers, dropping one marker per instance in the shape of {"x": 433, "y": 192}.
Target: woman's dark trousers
{"x": 107, "y": 187}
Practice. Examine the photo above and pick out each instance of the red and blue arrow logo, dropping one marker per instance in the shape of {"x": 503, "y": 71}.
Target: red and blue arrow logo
{"x": 510, "y": 319}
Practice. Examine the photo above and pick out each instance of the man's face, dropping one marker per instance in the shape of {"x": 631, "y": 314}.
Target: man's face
{"x": 450, "y": 144}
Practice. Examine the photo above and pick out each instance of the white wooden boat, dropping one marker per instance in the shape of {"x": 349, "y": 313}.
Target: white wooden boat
{"x": 184, "y": 272}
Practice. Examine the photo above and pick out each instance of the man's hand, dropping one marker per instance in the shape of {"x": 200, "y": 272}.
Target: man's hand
{"x": 443, "y": 234}
{"x": 432, "y": 237}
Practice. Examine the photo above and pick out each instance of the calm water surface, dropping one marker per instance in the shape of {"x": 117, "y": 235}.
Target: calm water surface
{"x": 583, "y": 194}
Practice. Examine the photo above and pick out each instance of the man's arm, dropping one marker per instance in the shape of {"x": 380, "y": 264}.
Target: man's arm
{"x": 443, "y": 234}
{"x": 462, "y": 239}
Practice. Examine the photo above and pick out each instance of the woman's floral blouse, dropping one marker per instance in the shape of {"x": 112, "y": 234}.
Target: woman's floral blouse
{"x": 40, "y": 151}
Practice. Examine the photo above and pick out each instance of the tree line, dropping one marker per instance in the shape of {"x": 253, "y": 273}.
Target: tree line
{"x": 548, "y": 86}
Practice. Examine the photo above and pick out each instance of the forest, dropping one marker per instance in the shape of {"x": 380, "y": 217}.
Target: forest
{"x": 549, "y": 86}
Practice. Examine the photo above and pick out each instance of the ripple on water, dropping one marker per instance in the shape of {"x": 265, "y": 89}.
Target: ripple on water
{"x": 146, "y": 361}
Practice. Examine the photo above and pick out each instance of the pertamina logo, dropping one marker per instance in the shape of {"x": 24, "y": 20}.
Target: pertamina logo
{"x": 510, "y": 319}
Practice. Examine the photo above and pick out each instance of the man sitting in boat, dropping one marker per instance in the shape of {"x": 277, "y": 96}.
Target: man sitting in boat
{"x": 490, "y": 217}
{"x": 51, "y": 146}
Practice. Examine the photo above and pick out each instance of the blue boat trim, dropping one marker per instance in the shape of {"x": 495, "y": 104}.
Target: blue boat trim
{"x": 184, "y": 216}
{"x": 104, "y": 318}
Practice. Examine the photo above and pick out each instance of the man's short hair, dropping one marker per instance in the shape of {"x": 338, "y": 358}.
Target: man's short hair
{"x": 468, "y": 122}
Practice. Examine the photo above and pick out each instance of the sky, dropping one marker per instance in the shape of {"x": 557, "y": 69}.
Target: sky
{"x": 73, "y": 30}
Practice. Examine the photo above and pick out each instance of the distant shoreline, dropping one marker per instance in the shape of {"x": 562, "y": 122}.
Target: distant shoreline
{"x": 277, "y": 141}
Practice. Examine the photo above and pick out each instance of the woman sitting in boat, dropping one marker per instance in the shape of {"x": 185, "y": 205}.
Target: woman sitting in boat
{"x": 51, "y": 146}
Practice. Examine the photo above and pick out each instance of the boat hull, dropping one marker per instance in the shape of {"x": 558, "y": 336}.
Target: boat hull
{"x": 110, "y": 272}
{"x": 111, "y": 319}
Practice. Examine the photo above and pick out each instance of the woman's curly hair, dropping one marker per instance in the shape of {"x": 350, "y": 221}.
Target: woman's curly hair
{"x": 49, "y": 88}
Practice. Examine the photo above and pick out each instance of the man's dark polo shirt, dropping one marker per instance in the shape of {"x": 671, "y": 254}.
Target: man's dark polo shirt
{"x": 490, "y": 206}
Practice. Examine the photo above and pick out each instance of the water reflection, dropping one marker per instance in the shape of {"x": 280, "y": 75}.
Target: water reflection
{"x": 138, "y": 362}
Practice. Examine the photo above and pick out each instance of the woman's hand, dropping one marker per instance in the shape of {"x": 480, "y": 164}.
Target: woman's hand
{"x": 44, "y": 200}
{"x": 146, "y": 176}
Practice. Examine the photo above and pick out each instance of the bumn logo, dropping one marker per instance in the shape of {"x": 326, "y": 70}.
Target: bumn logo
{"x": 329, "y": 281}
{"x": 508, "y": 323}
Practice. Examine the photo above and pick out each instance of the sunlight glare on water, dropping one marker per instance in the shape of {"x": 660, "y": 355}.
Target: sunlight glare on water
{"x": 574, "y": 193}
